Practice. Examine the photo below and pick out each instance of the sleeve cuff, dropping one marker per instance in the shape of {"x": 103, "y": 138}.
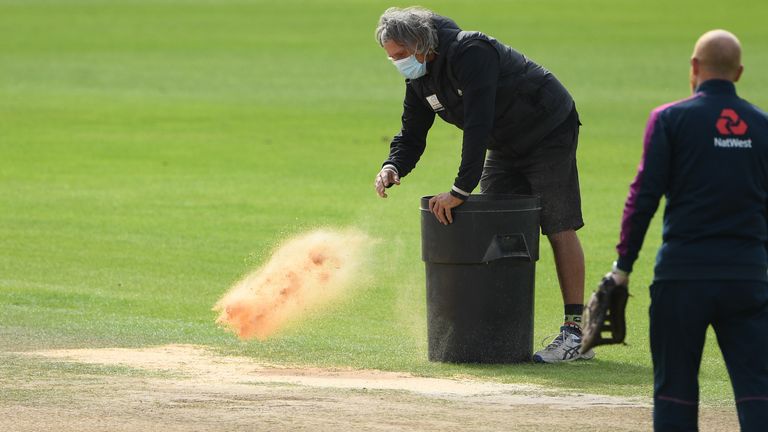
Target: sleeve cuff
{"x": 391, "y": 166}
{"x": 459, "y": 191}
{"x": 460, "y": 194}
{"x": 623, "y": 264}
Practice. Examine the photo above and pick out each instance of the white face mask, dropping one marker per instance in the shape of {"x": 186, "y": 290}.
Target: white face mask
{"x": 411, "y": 68}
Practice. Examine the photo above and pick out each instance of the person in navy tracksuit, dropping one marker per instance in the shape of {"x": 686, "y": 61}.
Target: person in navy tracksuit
{"x": 708, "y": 155}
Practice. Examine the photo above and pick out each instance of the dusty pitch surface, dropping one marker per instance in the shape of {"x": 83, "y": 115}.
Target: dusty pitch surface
{"x": 209, "y": 392}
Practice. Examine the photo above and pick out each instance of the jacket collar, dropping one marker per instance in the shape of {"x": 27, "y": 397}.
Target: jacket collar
{"x": 447, "y": 29}
{"x": 716, "y": 86}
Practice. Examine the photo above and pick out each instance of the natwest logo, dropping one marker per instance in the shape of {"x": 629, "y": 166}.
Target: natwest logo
{"x": 730, "y": 123}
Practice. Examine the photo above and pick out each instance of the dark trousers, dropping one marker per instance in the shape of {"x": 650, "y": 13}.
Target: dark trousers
{"x": 680, "y": 313}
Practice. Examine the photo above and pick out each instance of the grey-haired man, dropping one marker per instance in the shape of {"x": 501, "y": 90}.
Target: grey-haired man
{"x": 506, "y": 105}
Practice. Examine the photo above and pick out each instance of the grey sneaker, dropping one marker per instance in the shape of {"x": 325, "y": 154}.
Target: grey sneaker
{"x": 563, "y": 348}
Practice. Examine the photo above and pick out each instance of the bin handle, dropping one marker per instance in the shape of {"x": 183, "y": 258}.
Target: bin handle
{"x": 507, "y": 246}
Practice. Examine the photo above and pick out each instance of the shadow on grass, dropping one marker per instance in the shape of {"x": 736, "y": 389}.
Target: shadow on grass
{"x": 593, "y": 376}
{"x": 575, "y": 374}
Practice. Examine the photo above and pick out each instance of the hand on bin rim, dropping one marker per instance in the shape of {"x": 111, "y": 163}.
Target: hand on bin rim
{"x": 441, "y": 205}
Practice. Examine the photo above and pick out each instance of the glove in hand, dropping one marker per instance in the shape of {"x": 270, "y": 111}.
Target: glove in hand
{"x": 604, "y": 313}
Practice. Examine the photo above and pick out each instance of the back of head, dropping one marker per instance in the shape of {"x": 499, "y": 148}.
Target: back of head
{"x": 718, "y": 53}
{"x": 412, "y": 27}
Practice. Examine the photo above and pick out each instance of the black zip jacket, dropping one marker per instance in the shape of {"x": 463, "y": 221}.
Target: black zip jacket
{"x": 708, "y": 155}
{"x": 498, "y": 97}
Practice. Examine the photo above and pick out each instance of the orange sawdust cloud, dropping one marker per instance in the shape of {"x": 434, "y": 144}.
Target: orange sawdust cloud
{"x": 303, "y": 274}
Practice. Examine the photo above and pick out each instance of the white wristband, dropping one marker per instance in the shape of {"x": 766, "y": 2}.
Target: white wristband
{"x": 459, "y": 191}
{"x": 390, "y": 167}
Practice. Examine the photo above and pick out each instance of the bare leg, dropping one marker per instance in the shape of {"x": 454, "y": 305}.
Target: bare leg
{"x": 569, "y": 262}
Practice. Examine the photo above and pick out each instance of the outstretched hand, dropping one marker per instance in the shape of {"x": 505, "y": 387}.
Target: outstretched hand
{"x": 384, "y": 179}
{"x": 441, "y": 205}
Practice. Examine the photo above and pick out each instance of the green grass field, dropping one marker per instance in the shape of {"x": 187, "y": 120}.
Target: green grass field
{"x": 152, "y": 152}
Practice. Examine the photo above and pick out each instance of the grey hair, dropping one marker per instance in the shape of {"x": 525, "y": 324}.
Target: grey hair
{"x": 412, "y": 27}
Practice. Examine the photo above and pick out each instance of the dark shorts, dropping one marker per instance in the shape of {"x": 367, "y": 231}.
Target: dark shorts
{"x": 548, "y": 172}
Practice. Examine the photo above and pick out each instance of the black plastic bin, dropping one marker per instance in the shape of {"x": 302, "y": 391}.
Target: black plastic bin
{"x": 480, "y": 279}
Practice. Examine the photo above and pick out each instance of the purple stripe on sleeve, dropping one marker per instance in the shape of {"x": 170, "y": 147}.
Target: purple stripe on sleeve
{"x": 630, "y": 205}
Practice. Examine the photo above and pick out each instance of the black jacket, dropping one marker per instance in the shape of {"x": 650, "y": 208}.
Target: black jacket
{"x": 709, "y": 156}
{"x": 498, "y": 97}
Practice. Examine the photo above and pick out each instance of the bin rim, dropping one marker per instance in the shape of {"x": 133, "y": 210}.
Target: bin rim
{"x": 492, "y": 203}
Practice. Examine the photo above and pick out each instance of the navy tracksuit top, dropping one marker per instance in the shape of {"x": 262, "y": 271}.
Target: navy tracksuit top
{"x": 708, "y": 155}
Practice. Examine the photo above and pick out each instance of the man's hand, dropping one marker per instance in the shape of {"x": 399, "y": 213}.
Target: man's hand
{"x": 605, "y": 313}
{"x": 384, "y": 179}
{"x": 441, "y": 205}
{"x": 619, "y": 276}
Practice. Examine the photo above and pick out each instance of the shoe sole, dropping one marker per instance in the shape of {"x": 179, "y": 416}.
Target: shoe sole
{"x": 540, "y": 360}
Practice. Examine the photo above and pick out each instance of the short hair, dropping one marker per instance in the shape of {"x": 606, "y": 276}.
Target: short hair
{"x": 412, "y": 27}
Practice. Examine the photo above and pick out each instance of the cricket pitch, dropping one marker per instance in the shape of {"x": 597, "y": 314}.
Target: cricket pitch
{"x": 196, "y": 390}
